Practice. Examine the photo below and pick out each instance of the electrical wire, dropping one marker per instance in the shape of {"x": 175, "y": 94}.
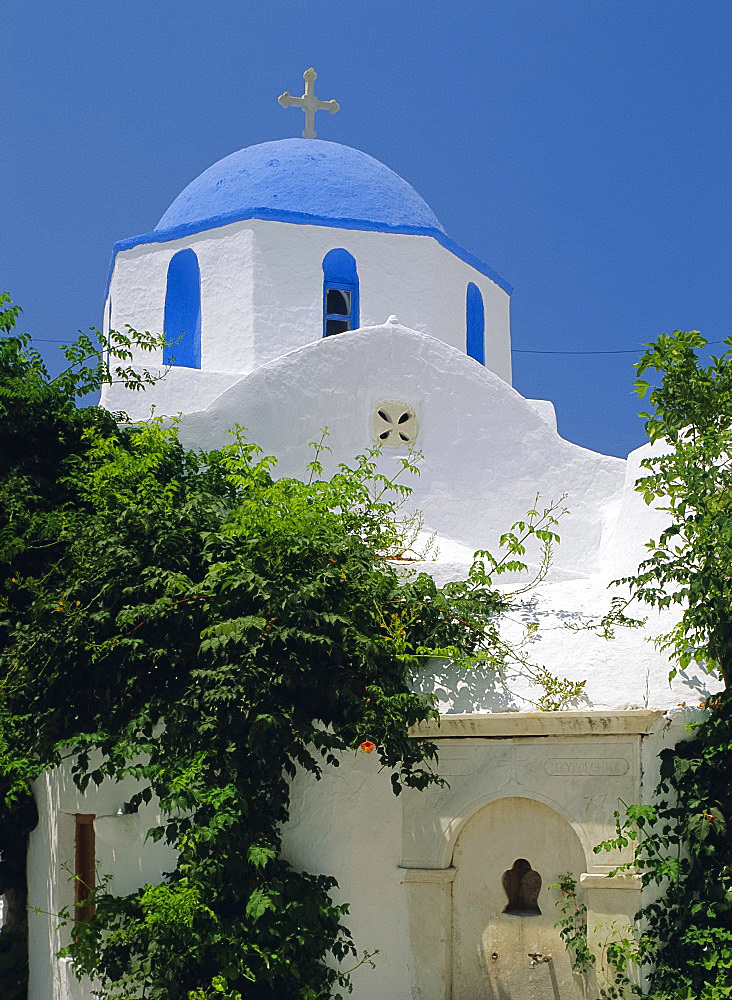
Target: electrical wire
{"x": 522, "y": 350}
{"x": 514, "y": 350}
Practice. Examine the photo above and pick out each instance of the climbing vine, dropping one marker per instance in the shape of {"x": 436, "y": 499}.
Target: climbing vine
{"x": 683, "y": 846}
{"x": 191, "y": 621}
{"x": 682, "y": 939}
{"x": 573, "y": 922}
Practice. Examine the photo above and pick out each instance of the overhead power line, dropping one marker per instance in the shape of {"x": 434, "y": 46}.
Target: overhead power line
{"x": 514, "y": 350}
{"x": 522, "y": 350}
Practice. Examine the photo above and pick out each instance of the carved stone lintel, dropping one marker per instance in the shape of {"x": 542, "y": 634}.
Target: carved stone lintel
{"x": 603, "y": 881}
{"x": 501, "y": 724}
{"x": 429, "y": 876}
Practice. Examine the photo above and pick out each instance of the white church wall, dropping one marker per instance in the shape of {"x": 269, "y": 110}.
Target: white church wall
{"x": 348, "y": 825}
{"x": 487, "y": 452}
{"x": 197, "y": 388}
{"x": 412, "y": 276}
{"x": 545, "y": 409}
{"x": 121, "y": 851}
{"x": 262, "y": 291}
{"x": 633, "y": 521}
{"x": 134, "y": 296}
{"x": 226, "y": 261}
{"x": 626, "y": 672}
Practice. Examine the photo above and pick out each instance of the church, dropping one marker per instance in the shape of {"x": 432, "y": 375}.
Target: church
{"x": 304, "y": 285}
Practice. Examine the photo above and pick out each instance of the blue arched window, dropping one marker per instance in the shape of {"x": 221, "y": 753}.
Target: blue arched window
{"x": 474, "y": 324}
{"x": 340, "y": 292}
{"x": 183, "y": 312}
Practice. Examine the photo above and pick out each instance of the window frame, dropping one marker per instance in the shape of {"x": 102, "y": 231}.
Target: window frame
{"x": 475, "y": 323}
{"x": 84, "y": 867}
{"x": 340, "y": 274}
{"x": 340, "y": 286}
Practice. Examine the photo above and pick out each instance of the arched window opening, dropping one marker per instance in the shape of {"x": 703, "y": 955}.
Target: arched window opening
{"x": 340, "y": 292}
{"x": 183, "y": 312}
{"x": 475, "y": 324}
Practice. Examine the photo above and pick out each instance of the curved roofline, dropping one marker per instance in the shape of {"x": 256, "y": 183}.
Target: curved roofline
{"x": 316, "y": 177}
{"x": 303, "y": 218}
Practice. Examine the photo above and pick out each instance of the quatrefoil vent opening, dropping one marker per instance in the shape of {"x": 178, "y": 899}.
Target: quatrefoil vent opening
{"x": 394, "y": 425}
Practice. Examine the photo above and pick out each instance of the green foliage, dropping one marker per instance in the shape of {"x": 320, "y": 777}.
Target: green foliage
{"x": 683, "y": 843}
{"x": 686, "y": 844}
{"x": 573, "y": 922}
{"x": 690, "y": 564}
{"x": 188, "y": 620}
{"x": 41, "y": 435}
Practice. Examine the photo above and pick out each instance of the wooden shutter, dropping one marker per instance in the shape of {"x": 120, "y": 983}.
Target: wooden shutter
{"x": 85, "y": 867}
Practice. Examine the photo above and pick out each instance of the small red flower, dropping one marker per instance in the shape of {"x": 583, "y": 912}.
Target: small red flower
{"x": 367, "y": 746}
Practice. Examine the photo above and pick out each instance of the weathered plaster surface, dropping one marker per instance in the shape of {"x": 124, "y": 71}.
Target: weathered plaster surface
{"x": 121, "y": 851}
{"x": 262, "y": 291}
{"x": 486, "y": 450}
{"x": 348, "y": 825}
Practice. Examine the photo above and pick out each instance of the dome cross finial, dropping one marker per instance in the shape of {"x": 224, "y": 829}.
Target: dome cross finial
{"x": 309, "y": 103}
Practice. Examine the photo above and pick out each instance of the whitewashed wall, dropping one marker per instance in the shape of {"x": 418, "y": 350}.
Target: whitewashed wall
{"x": 121, "y": 851}
{"x": 487, "y": 452}
{"x": 262, "y": 290}
{"x": 349, "y": 825}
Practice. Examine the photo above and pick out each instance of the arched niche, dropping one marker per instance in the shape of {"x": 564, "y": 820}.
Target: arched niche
{"x": 340, "y": 292}
{"x": 438, "y": 840}
{"x": 474, "y": 323}
{"x": 182, "y": 323}
{"x": 484, "y": 925}
{"x": 506, "y": 858}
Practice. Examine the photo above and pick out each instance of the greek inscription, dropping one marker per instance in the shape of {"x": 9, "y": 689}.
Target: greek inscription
{"x": 454, "y": 767}
{"x": 577, "y": 767}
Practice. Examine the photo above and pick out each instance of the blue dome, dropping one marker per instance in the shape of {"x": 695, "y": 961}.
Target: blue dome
{"x": 301, "y": 180}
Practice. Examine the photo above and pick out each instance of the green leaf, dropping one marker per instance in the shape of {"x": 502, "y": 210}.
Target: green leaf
{"x": 258, "y": 903}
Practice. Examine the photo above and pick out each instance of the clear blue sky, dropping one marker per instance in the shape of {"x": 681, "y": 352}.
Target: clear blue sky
{"x": 579, "y": 147}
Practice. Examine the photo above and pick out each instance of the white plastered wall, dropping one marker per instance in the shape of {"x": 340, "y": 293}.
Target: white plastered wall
{"x": 487, "y": 452}
{"x": 348, "y": 825}
{"x": 262, "y": 286}
{"x": 121, "y": 851}
{"x": 226, "y": 260}
{"x": 486, "y": 449}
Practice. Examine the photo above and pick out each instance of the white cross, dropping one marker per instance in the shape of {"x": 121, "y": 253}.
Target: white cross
{"x": 309, "y": 103}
